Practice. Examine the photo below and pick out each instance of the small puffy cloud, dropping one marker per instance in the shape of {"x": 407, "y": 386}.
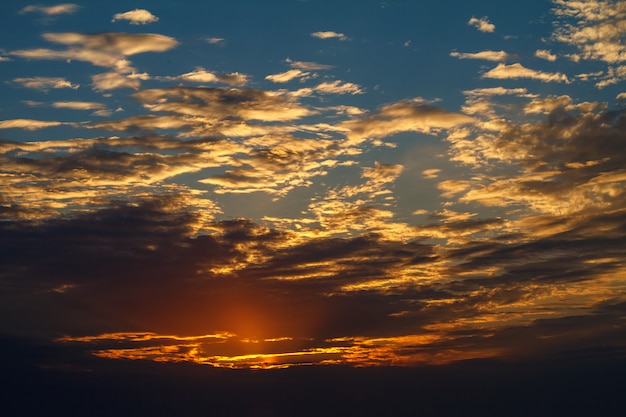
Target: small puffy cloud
{"x": 431, "y": 173}
{"x": 286, "y": 76}
{"x": 545, "y": 54}
{"x": 215, "y": 41}
{"x": 329, "y": 35}
{"x": 27, "y": 124}
{"x": 5, "y": 59}
{"x": 486, "y": 55}
{"x": 482, "y": 24}
{"x": 136, "y": 17}
{"x": 517, "y": 70}
{"x": 308, "y": 66}
{"x": 45, "y": 83}
{"x": 66, "y": 8}
{"x": 621, "y": 96}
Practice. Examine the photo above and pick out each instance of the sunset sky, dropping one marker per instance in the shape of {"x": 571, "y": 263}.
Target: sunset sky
{"x": 250, "y": 184}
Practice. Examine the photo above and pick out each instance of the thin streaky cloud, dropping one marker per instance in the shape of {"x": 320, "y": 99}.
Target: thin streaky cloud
{"x": 27, "y": 124}
{"x": 329, "y": 35}
{"x": 517, "y": 70}
{"x": 307, "y": 65}
{"x": 66, "y": 8}
{"x": 45, "y": 83}
{"x": 486, "y": 55}
{"x": 215, "y": 41}
{"x": 287, "y": 76}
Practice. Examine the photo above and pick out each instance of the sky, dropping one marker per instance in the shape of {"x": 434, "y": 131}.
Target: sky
{"x": 261, "y": 185}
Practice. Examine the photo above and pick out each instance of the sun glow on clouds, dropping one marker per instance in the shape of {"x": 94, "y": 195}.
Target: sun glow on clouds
{"x": 305, "y": 214}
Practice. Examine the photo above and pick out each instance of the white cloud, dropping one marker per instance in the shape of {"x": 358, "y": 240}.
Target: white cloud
{"x": 200, "y": 75}
{"x": 28, "y": 124}
{"x": 482, "y": 24}
{"x": 545, "y": 54}
{"x": 215, "y": 41}
{"x": 517, "y": 70}
{"x": 136, "y": 17}
{"x": 66, "y": 8}
{"x": 114, "y": 80}
{"x": 308, "y": 66}
{"x": 286, "y": 76}
{"x": 329, "y": 35}
{"x": 486, "y": 55}
{"x": 78, "y": 105}
{"x": 45, "y": 83}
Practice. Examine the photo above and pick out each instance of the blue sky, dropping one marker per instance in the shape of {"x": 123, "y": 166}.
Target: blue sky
{"x": 258, "y": 184}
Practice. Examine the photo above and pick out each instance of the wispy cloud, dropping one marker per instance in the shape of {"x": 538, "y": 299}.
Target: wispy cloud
{"x": 65, "y": 8}
{"x": 45, "y": 83}
{"x": 486, "y": 55}
{"x": 308, "y": 66}
{"x": 329, "y": 35}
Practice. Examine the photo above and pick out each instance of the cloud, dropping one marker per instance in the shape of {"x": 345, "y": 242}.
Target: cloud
{"x": 486, "y": 55}
{"x": 307, "y": 66}
{"x": 431, "y": 173}
{"x": 215, "y": 41}
{"x": 287, "y": 76}
{"x": 113, "y": 81}
{"x": 329, "y": 35}
{"x": 200, "y": 75}
{"x": 65, "y": 8}
{"x": 482, "y": 24}
{"x": 403, "y": 116}
{"x": 78, "y": 105}
{"x": 5, "y": 59}
{"x": 330, "y": 87}
{"x": 136, "y": 17}
{"x": 28, "y": 124}
{"x": 545, "y": 54}
{"x": 103, "y": 49}
{"x": 45, "y": 83}
{"x": 517, "y": 70}
{"x": 597, "y": 34}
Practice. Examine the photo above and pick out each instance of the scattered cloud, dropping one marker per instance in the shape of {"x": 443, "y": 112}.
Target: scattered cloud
{"x": 45, "y": 83}
{"x": 200, "y": 75}
{"x": 216, "y": 41}
{"x": 486, "y": 55}
{"x": 27, "y": 124}
{"x": 136, "y": 17}
{"x": 307, "y": 66}
{"x": 65, "y": 8}
{"x": 329, "y": 35}
{"x": 482, "y": 24}
{"x": 517, "y": 70}
{"x": 403, "y": 116}
{"x": 287, "y": 76}
{"x": 545, "y": 54}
